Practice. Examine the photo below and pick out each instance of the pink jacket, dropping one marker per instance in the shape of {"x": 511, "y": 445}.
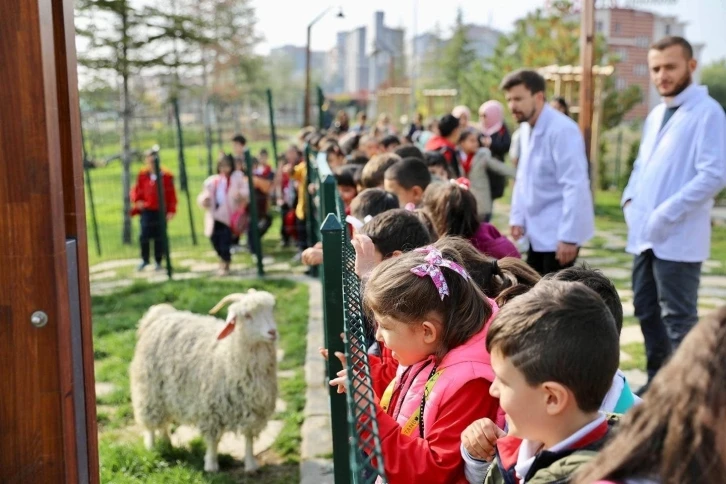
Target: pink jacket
{"x": 461, "y": 365}
{"x": 237, "y": 195}
{"x": 489, "y": 241}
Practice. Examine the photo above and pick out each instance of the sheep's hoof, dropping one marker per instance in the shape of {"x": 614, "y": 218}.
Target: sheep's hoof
{"x": 149, "y": 439}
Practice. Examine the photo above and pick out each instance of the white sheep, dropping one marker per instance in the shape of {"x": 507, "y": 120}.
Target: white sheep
{"x": 199, "y": 370}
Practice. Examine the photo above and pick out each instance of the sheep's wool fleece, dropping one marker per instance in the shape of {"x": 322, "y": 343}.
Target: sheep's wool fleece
{"x": 181, "y": 373}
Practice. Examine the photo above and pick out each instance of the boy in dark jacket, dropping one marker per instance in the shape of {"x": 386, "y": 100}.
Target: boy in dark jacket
{"x": 145, "y": 202}
{"x": 554, "y": 352}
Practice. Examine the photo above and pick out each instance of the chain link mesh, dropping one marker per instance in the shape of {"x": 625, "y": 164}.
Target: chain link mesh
{"x": 366, "y": 458}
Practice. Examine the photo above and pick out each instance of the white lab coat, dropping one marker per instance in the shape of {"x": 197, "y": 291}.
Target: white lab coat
{"x": 678, "y": 172}
{"x": 552, "y": 198}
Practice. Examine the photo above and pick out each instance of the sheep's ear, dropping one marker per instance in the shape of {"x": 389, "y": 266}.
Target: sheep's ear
{"x": 228, "y": 328}
{"x": 252, "y": 290}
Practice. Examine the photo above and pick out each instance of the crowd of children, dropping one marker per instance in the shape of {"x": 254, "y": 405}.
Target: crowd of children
{"x": 483, "y": 370}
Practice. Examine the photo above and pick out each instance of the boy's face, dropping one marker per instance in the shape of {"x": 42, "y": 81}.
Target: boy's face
{"x": 412, "y": 195}
{"x": 371, "y": 148}
{"x": 347, "y": 193}
{"x": 439, "y": 171}
{"x": 238, "y": 148}
{"x": 264, "y": 157}
{"x": 525, "y": 406}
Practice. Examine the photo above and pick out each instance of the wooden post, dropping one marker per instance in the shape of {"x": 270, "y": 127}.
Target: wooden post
{"x": 48, "y": 414}
{"x": 587, "y": 48}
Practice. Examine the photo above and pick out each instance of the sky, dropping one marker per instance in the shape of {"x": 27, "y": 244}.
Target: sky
{"x": 284, "y": 21}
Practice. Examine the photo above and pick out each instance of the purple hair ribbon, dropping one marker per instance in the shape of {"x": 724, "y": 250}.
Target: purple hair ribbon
{"x": 432, "y": 268}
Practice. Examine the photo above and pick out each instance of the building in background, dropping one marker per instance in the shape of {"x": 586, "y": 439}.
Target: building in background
{"x": 629, "y": 33}
{"x": 296, "y": 55}
{"x": 386, "y": 55}
{"x": 355, "y": 74}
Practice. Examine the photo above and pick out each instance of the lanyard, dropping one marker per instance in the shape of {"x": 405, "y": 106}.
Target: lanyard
{"x": 416, "y": 419}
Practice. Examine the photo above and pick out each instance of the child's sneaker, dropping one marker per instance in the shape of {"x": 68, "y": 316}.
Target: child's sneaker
{"x": 159, "y": 267}
{"x": 142, "y": 266}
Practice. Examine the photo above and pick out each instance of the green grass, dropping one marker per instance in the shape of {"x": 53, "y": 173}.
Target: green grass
{"x": 108, "y": 203}
{"x": 123, "y": 458}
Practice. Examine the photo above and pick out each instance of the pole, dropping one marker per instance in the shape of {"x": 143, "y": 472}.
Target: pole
{"x": 321, "y": 101}
{"x": 183, "y": 181}
{"x": 162, "y": 210}
{"x": 270, "y": 106}
{"x": 617, "y": 158}
{"x": 89, "y": 187}
{"x": 306, "y": 108}
{"x": 255, "y": 243}
{"x": 587, "y": 40}
{"x": 414, "y": 60}
{"x": 332, "y": 235}
{"x": 208, "y": 135}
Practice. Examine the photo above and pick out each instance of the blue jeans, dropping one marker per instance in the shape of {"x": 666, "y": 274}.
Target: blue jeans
{"x": 666, "y": 304}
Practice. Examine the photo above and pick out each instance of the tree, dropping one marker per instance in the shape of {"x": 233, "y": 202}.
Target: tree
{"x": 458, "y": 56}
{"x": 545, "y": 38}
{"x": 714, "y": 76}
{"x": 116, "y": 42}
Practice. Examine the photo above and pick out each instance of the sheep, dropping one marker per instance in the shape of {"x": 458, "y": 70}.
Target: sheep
{"x": 199, "y": 370}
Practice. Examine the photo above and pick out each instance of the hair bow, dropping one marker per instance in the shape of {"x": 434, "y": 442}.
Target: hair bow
{"x": 432, "y": 268}
{"x": 357, "y": 224}
{"x": 411, "y": 207}
{"x": 461, "y": 182}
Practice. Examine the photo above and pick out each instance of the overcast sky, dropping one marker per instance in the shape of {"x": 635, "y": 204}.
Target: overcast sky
{"x": 285, "y": 21}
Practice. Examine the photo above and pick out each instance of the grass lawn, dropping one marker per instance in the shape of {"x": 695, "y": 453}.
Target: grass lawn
{"x": 123, "y": 457}
{"x": 108, "y": 203}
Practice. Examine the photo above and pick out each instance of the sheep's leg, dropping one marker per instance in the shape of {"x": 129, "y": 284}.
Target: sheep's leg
{"x": 165, "y": 435}
{"x": 250, "y": 461}
{"x": 211, "y": 460}
{"x": 148, "y": 439}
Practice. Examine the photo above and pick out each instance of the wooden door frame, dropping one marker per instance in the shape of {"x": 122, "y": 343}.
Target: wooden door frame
{"x": 53, "y": 175}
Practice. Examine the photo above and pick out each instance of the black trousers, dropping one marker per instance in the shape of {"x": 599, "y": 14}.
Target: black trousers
{"x": 301, "y": 228}
{"x": 222, "y": 240}
{"x": 545, "y": 262}
{"x": 151, "y": 230}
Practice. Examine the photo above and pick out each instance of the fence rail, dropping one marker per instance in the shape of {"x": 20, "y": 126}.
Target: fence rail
{"x": 356, "y": 441}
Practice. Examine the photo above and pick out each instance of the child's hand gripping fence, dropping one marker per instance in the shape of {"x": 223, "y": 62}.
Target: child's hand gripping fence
{"x": 356, "y": 446}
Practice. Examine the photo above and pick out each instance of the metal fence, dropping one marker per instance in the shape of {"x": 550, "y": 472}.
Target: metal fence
{"x": 357, "y": 454}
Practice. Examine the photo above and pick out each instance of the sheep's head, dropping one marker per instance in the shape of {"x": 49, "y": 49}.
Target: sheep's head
{"x": 251, "y": 312}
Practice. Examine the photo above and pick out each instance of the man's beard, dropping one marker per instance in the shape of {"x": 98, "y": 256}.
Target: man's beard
{"x": 680, "y": 86}
{"x": 526, "y": 118}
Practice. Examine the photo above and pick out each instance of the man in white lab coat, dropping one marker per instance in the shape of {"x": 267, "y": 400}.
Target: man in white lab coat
{"x": 551, "y": 203}
{"x": 680, "y": 168}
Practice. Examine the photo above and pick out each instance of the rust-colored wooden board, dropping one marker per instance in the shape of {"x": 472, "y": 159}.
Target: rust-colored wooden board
{"x": 41, "y": 205}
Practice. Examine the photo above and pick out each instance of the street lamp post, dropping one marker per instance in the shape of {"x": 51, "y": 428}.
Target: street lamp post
{"x": 306, "y": 111}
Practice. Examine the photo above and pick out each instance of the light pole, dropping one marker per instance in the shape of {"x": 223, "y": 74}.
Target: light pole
{"x": 307, "y": 63}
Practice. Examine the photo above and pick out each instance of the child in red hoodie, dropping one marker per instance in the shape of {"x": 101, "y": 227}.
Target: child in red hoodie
{"x": 433, "y": 317}
{"x": 145, "y": 201}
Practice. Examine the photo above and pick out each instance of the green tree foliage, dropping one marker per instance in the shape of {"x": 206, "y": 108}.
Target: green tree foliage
{"x": 714, "y": 76}
{"x": 458, "y": 56}
{"x": 540, "y": 39}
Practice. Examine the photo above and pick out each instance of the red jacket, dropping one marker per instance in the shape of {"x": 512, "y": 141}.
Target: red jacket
{"x": 145, "y": 191}
{"x": 448, "y": 149}
{"x": 437, "y": 458}
{"x": 383, "y": 369}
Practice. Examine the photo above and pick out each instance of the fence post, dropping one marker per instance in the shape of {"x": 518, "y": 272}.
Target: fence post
{"x": 183, "y": 182}
{"x": 94, "y": 221}
{"x": 254, "y": 234}
{"x": 321, "y": 101}
{"x": 89, "y": 187}
{"x": 331, "y": 232}
{"x": 272, "y": 125}
{"x": 162, "y": 210}
{"x": 310, "y": 227}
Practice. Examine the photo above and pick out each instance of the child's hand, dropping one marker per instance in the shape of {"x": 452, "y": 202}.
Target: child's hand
{"x": 365, "y": 255}
{"x": 312, "y": 256}
{"x": 342, "y": 379}
{"x": 140, "y": 205}
{"x": 207, "y": 203}
{"x": 480, "y": 439}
